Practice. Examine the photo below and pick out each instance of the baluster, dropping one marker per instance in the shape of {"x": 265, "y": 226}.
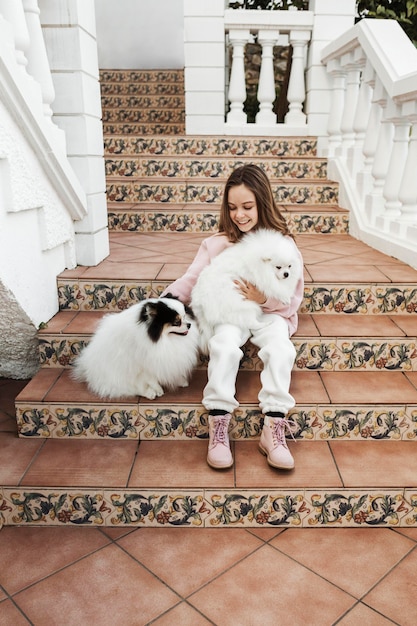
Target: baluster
{"x": 361, "y": 119}
{"x": 397, "y": 160}
{"x": 237, "y": 85}
{"x": 296, "y": 86}
{"x": 12, "y": 11}
{"x": 351, "y": 101}
{"x": 408, "y": 187}
{"x": 266, "y": 88}
{"x": 38, "y": 64}
{"x": 382, "y": 154}
{"x": 336, "y": 106}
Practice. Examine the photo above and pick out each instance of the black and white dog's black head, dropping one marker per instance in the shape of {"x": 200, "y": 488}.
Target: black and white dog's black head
{"x": 165, "y": 316}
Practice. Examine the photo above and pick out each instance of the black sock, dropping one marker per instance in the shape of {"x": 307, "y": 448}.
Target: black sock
{"x": 217, "y": 412}
{"x": 275, "y": 414}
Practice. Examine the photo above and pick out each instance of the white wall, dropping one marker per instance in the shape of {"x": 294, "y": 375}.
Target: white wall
{"x": 140, "y": 34}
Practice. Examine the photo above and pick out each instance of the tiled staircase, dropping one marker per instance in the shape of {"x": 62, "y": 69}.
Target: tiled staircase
{"x": 80, "y": 460}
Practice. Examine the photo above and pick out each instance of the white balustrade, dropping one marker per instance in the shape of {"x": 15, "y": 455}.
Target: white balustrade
{"x": 337, "y": 103}
{"x": 353, "y": 72}
{"x": 361, "y": 118}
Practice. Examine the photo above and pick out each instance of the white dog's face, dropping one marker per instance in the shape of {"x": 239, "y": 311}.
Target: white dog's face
{"x": 282, "y": 271}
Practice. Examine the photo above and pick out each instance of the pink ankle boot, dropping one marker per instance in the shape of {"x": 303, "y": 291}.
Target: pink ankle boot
{"x": 219, "y": 455}
{"x": 273, "y": 443}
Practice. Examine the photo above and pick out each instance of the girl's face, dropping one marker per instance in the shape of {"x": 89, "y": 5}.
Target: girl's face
{"x": 242, "y": 208}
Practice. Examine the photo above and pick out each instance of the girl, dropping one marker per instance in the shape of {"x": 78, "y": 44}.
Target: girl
{"x": 248, "y": 204}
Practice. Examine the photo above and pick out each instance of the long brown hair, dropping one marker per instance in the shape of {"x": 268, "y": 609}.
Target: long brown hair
{"x": 269, "y": 216}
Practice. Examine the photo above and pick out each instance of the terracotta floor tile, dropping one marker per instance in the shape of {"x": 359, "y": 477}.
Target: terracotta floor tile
{"x": 395, "y": 595}
{"x": 407, "y": 323}
{"x": 330, "y": 272}
{"x": 193, "y": 393}
{"x": 412, "y": 377}
{"x": 95, "y": 463}
{"x": 59, "y": 322}
{"x": 182, "y": 615}
{"x": 179, "y": 464}
{"x": 38, "y": 387}
{"x": 357, "y": 326}
{"x": 376, "y": 463}
{"x": 66, "y": 389}
{"x": 86, "y": 593}
{"x": 399, "y": 272}
{"x": 134, "y": 268}
{"x": 324, "y": 550}
{"x": 314, "y": 466}
{"x": 307, "y": 326}
{"x": 362, "y": 614}
{"x": 172, "y": 271}
{"x": 85, "y": 322}
{"x": 41, "y": 556}
{"x": 307, "y": 387}
{"x": 16, "y": 456}
{"x": 188, "y": 559}
{"x": 10, "y": 615}
{"x": 368, "y": 387}
{"x": 272, "y": 582}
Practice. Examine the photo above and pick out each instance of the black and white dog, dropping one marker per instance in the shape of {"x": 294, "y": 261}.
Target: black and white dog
{"x": 151, "y": 346}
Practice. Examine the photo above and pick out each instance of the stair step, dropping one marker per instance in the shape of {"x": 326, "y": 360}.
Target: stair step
{"x": 132, "y": 78}
{"x": 207, "y": 145}
{"x": 372, "y": 343}
{"x": 217, "y": 168}
{"x": 197, "y": 218}
{"x": 167, "y": 483}
{"x": 143, "y": 88}
{"x": 356, "y": 405}
{"x": 141, "y": 101}
{"x": 143, "y": 129}
{"x": 183, "y": 191}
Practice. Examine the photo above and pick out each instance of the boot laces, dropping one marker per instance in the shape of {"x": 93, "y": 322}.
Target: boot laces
{"x": 221, "y": 426}
{"x": 279, "y": 425}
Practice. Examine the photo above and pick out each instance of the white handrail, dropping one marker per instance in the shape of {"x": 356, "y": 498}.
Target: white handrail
{"x": 372, "y": 132}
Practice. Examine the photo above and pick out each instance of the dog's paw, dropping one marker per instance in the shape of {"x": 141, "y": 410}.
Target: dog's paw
{"x": 152, "y": 391}
{"x": 183, "y": 383}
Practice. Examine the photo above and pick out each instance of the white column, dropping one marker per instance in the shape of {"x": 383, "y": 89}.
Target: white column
{"x": 336, "y": 105}
{"x": 266, "y": 88}
{"x": 397, "y": 160}
{"x": 12, "y": 11}
{"x": 38, "y": 65}
{"x": 296, "y": 86}
{"x": 237, "y": 84}
{"x": 408, "y": 186}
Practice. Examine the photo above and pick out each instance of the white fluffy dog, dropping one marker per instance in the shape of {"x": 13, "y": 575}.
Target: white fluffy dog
{"x": 149, "y": 346}
{"x": 265, "y": 258}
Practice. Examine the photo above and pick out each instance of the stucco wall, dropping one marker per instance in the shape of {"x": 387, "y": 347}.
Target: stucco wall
{"x": 140, "y": 34}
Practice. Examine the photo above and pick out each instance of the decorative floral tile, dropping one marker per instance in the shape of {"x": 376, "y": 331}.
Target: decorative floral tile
{"x": 356, "y": 508}
{"x": 142, "y": 76}
{"x": 148, "y": 508}
{"x": 364, "y": 300}
{"x": 161, "y": 116}
{"x": 75, "y": 421}
{"x": 53, "y": 506}
{"x": 246, "y": 508}
{"x": 211, "y": 146}
{"x": 158, "y": 221}
{"x": 213, "y": 168}
{"x": 178, "y": 192}
{"x": 143, "y": 129}
{"x": 173, "y": 422}
{"x": 87, "y": 296}
{"x": 410, "y": 518}
{"x": 135, "y": 101}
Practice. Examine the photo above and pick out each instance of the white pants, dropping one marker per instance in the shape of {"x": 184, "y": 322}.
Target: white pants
{"x": 276, "y": 352}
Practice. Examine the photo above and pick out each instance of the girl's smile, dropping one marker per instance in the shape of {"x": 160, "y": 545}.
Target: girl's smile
{"x": 242, "y": 208}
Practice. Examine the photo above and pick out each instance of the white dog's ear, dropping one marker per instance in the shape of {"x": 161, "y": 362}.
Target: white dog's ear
{"x": 149, "y": 310}
{"x": 266, "y": 259}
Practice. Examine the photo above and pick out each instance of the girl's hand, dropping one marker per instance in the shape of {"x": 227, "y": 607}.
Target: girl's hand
{"x": 250, "y": 292}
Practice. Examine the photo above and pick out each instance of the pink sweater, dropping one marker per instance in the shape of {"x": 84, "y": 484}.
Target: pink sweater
{"x": 211, "y": 247}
